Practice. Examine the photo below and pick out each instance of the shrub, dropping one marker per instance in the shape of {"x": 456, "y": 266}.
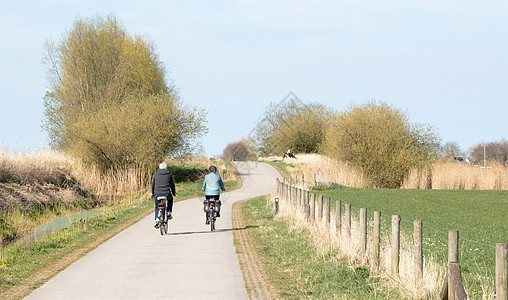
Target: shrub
{"x": 293, "y": 125}
{"x": 239, "y": 151}
{"x": 381, "y": 141}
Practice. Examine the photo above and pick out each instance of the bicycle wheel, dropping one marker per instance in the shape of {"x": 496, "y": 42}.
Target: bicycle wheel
{"x": 166, "y": 226}
{"x": 212, "y": 222}
{"x": 162, "y": 215}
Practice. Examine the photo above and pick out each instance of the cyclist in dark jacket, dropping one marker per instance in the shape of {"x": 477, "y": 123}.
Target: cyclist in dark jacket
{"x": 163, "y": 185}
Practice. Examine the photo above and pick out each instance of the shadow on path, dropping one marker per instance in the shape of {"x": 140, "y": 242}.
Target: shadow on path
{"x": 208, "y": 231}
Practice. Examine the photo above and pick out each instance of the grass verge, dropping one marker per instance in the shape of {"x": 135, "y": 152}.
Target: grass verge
{"x": 27, "y": 266}
{"x": 296, "y": 269}
{"x": 282, "y": 168}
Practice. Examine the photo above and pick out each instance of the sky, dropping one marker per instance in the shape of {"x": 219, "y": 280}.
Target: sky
{"x": 444, "y": 62}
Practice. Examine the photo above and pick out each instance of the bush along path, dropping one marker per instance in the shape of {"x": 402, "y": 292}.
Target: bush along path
{"x": 291, "y": 266}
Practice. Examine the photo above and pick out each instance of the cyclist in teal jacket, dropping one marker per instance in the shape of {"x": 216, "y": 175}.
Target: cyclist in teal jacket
{"x": 212, "y": 186}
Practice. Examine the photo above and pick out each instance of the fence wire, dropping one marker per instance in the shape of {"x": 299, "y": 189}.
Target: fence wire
{"x": 479, "y": 243}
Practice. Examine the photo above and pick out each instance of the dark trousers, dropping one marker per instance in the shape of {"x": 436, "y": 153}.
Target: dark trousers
{"x": 169, "y": 204}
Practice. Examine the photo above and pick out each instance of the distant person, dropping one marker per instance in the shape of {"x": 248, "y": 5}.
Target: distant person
{"x": 163, "y": 185}
{"x": 212, "y": 186}
{"x": 288, "y": 154}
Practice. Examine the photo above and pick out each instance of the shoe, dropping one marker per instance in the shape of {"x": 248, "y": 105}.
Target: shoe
{"x": 207, "y": 222}
{"x": 170, "y": 216}
{"x": 218, "y": 215}
{"x": 156, "y": 223}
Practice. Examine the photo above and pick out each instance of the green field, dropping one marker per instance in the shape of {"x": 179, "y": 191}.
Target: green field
{"x": 477, "y": 215}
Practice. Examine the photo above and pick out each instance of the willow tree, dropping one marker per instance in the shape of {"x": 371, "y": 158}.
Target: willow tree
{"x": 242, "y": 150}
{"x": 109, "y": 102}
{"x": 381, "y": 141}
{"x": 293, "y": 125}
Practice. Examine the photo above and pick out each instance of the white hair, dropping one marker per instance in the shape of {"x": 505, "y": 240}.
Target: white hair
{"x": 163, "y": 165}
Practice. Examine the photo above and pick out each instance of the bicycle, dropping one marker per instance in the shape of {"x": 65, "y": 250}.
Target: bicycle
{"x": 163, "y": 217}
{"x": 211, "y": 214}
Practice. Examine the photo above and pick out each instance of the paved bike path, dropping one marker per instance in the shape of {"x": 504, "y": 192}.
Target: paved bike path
{"x": 189, "y": 263}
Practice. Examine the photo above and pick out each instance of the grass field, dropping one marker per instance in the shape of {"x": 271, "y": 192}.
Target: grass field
{"x": 297, "y": 270}
{"x": 478, "y": 215}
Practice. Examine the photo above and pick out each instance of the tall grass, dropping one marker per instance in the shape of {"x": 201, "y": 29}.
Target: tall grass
{"x": 38, "y": 186}
{"x": 43, "y": 167}
{"x": 455, "y": 176}
{"x": 112, "y": 186}
{"x": 321, "y": 170}
{"x": 34, "y": 166}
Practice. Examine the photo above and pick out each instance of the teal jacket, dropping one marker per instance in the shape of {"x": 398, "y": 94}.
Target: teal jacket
{"x": 213, "y": 184}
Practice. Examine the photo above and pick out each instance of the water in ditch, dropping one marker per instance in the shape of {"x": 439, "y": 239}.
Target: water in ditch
{"x": 54, "y": 226}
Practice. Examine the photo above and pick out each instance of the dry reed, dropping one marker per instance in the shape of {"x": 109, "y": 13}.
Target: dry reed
{"x": 34, "y": 166}
{"x": 321, "y": 170}
{"x": 45, "y": 166}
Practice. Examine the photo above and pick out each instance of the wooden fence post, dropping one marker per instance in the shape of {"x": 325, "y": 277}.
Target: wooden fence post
{"x": 307, "y": 201}
{"x": 348, "y": 220}
{"x": 338, "y": 216}
{"x": 395, "y": 250}
{"x": 363, "y": 229}
{"x": 377, "y": 241}
{"x": 418, "y": 244}
{"x": 320, "y": 207}
{"x": 455, "y": 286}
{"x": 453, "y": 246}
{"x": 302, "y": 199}
{"x": 327, "y": 209}
{"x": 313, "y": 207}
{"x": 502, "y": 271}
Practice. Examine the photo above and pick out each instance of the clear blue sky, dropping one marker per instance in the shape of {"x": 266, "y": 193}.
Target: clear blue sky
{"x": 446, "y": 62}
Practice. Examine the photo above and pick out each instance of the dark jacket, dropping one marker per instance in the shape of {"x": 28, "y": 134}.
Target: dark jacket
{"x": 163, "y": 183}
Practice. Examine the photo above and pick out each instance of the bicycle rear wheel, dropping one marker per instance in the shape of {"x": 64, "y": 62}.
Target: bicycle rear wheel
{"x": 166, "y": 226}
{"x": 212, "y": 222}
{"x": 162, "y": 215}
